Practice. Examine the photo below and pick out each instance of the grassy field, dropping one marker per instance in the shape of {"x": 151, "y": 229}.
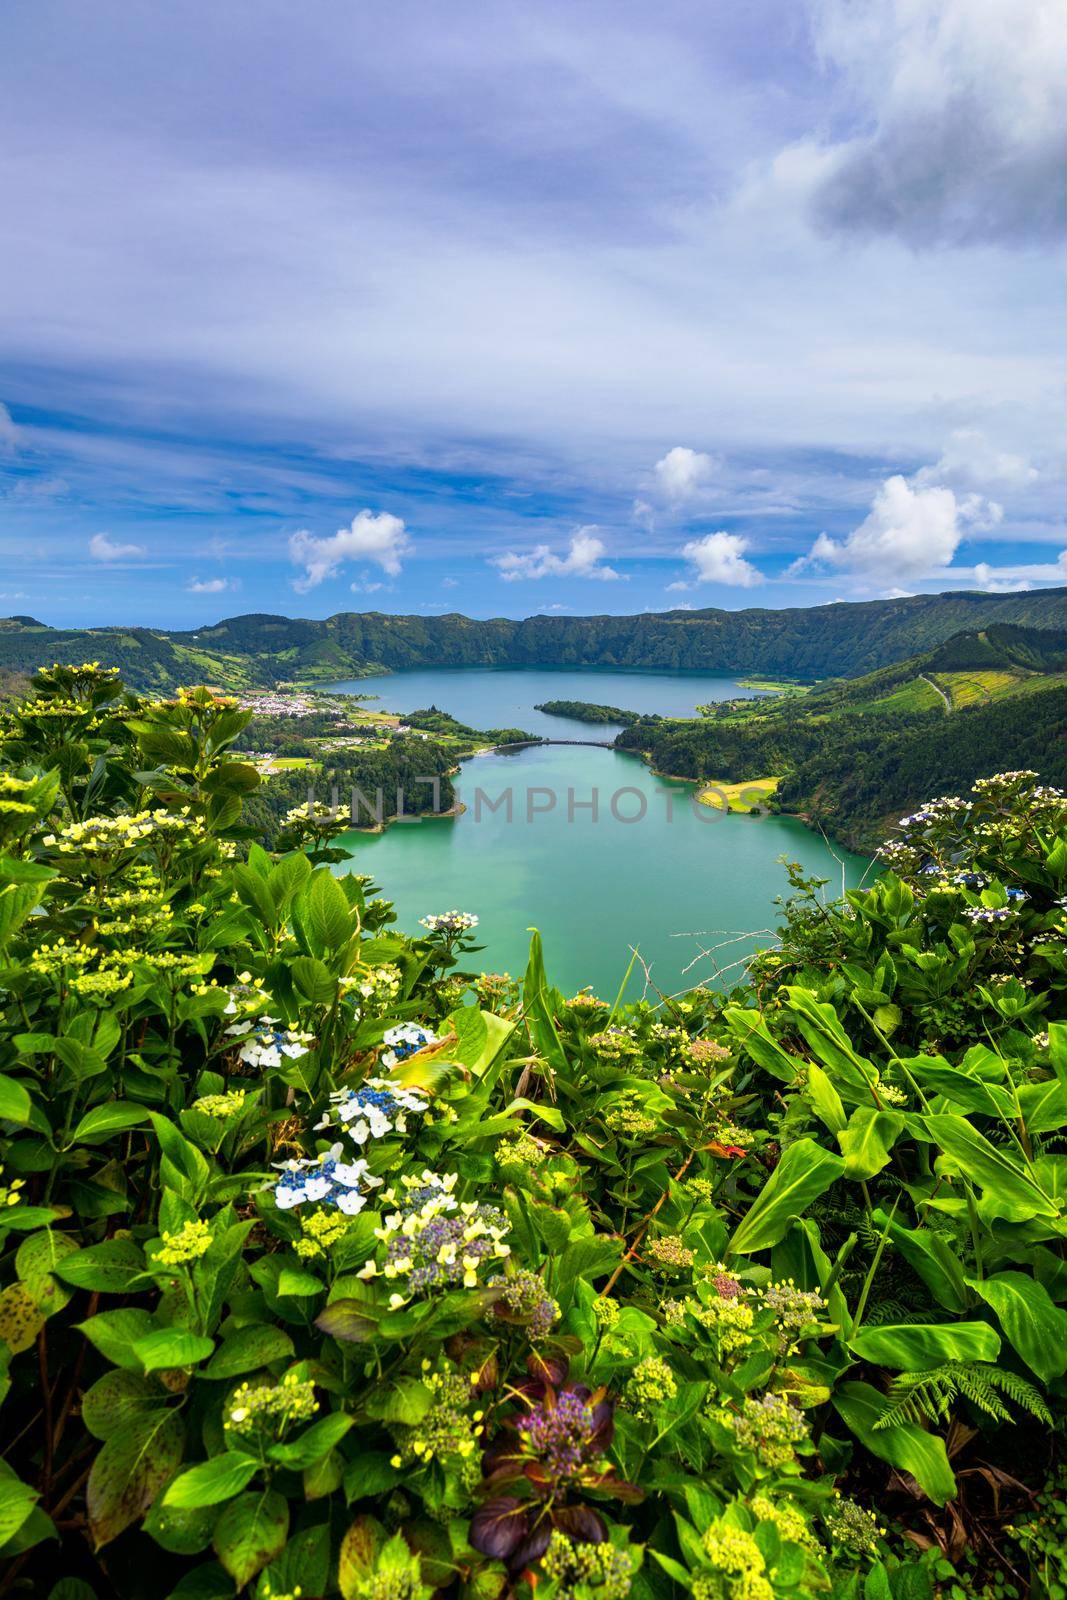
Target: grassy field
{"x": 740, "y": 797}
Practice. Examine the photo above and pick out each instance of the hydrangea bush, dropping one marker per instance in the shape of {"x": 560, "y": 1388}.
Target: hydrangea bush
{"x": 332, "y": 1266}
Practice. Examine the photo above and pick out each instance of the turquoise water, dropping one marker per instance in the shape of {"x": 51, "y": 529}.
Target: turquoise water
{"x": 691, "y": 888}
{"x": 505, "y": 697}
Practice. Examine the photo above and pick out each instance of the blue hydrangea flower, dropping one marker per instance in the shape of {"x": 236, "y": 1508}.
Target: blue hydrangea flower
{"x": 406, "y": 1039}
{"x": 376, "y": 1108}
{"x": 324, "y": 1180}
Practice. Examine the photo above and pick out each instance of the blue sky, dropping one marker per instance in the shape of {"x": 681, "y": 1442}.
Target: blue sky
{"x": 507, "y": 308}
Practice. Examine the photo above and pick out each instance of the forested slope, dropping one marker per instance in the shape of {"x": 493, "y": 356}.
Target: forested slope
{"x": 807, "y": 643}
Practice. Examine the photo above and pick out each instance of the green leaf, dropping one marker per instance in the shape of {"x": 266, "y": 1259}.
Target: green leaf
{"x": 37, "y": 1263}
{"x": 304, "y": 1564}
{"x": 248, "y": 1349}
{"x": 918, "y": 1345}
{"x": 212, "y": 1482}
{"x": 1014, "y": 1191}
{"x": 130, "y": 1470}
{"x": 294, "y": 1281}
{"x": 539, "y": 1002}
{"x": 114, "y": 1399}
{"x": 907, "y": 1446}
{"x": 868, "y": 1140}
{"x": 114, "y": 1332}
{"x": 17, "y": 1500}
{"x": 99, "y": 1124}
{"x": 931, "y": 1257}
{"x": 825, "y": 1099}
{"x": 314, "y": 979}
{"x": 172, "y": 1347}
{"x": 407, "y": 1401}
{"x": 351, "y": 1320}
{"x": 14, "y": 1101}
{"x": 109, "y": 1267}
{"x": 251, "y": 1531}
{"x": 804, "y": 1173}
{"x": 314, "y": 1443}
{"x": 1032, "y": 1322}
{"x": 328, "y": 912}
{"x": 181, "y": 1531}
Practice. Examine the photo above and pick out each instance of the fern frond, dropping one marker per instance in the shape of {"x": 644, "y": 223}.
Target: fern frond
{"x": 928, "y": 1396}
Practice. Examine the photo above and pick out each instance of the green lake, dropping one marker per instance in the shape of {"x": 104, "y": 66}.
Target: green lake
{"x": 692, "y": 888}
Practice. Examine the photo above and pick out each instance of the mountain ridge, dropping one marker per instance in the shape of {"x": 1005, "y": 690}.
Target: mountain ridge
{"x": 843, "y": 638}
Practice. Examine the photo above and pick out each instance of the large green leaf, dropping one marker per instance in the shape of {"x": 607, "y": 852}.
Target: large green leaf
{"x": 109, "y": 1267}
{"x": 1007, "y": 1183}
{"x": 915, "y": 1346}
{"x": 825, "y": 1100}
{"x": 1032, "y": 1322}
{"x": 99, "y": 1124}
{"x": 131, "y": 1468}
{"x": 804, "y": 1173}
{"x": 867, "y": 1142}
{"x": 212, "y": 1482}
{"x": 907, "y": 1446}
{"x": 248, "y": 1349}
{"x": 172, "y": 1347}
{"x": 932, "y": 1257}
{"x": 537, "y": 1000}
{"x": 251, "y": 1531}
{"x": 14, "y": 1101}
{"x": 17, "y": 1500}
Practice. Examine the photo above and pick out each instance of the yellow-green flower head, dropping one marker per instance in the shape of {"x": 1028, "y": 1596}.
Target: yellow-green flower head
{"x": 271, "y": 1406}
{"x": 192, "y": 1240}
{"x": 320, "y": 1230}
{"x": 738, "y": 1570}
{"x": 56, "y": 960}
{"x": 652, "y": 1384}
{"x": 787, "y": 1518}
{"x": 222, "y": 1106}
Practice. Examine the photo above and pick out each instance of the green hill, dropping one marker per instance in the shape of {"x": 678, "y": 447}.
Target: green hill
{"x": 801, "y": 643}
{"x": 854, "y": 754}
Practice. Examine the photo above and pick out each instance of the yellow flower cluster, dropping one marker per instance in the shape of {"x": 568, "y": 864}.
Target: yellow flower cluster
{"x": 787, "y": 1518}
{"x": 53, "y": 960}
{"x": 105, "y": 836}
{"x": 739, "y": 1571}
{"x": 320, "y": 1230}
{"x": 222, "y": 1106}
{"x": 192, "y": 1240}
{"x": 13, "y": 793}
{"x": 103, "y": 984}
{"x": 11, "y": 1193}
{"x": 291, "y": 1400}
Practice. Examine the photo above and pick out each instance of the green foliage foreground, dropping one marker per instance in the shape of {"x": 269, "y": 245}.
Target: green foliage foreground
{"x": 331, "y": 1267}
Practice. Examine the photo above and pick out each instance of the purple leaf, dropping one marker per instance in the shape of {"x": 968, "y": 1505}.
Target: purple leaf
{"x": 581, "y": 1523}
{"x": 498, "y": 1528}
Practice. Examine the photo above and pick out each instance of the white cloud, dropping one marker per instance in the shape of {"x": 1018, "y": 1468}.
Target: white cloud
{"x": 910, "y": 532}
{"x": 365, "y": 587}
{"x": 969, "y": 461}
{"x": 1005, "y": 580}
{"x": 720, "y": 558}
{"x": 683, "y": 474}
{"x": 583, "y": 560}
{"x": 961, "y": 102}
{"x": 8, "y": 431}
{"x": 210, "y": 585}
{"x": 101, "y": 548}
{"x": 449, "y": 583}
{"x": 379, "y": 537}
